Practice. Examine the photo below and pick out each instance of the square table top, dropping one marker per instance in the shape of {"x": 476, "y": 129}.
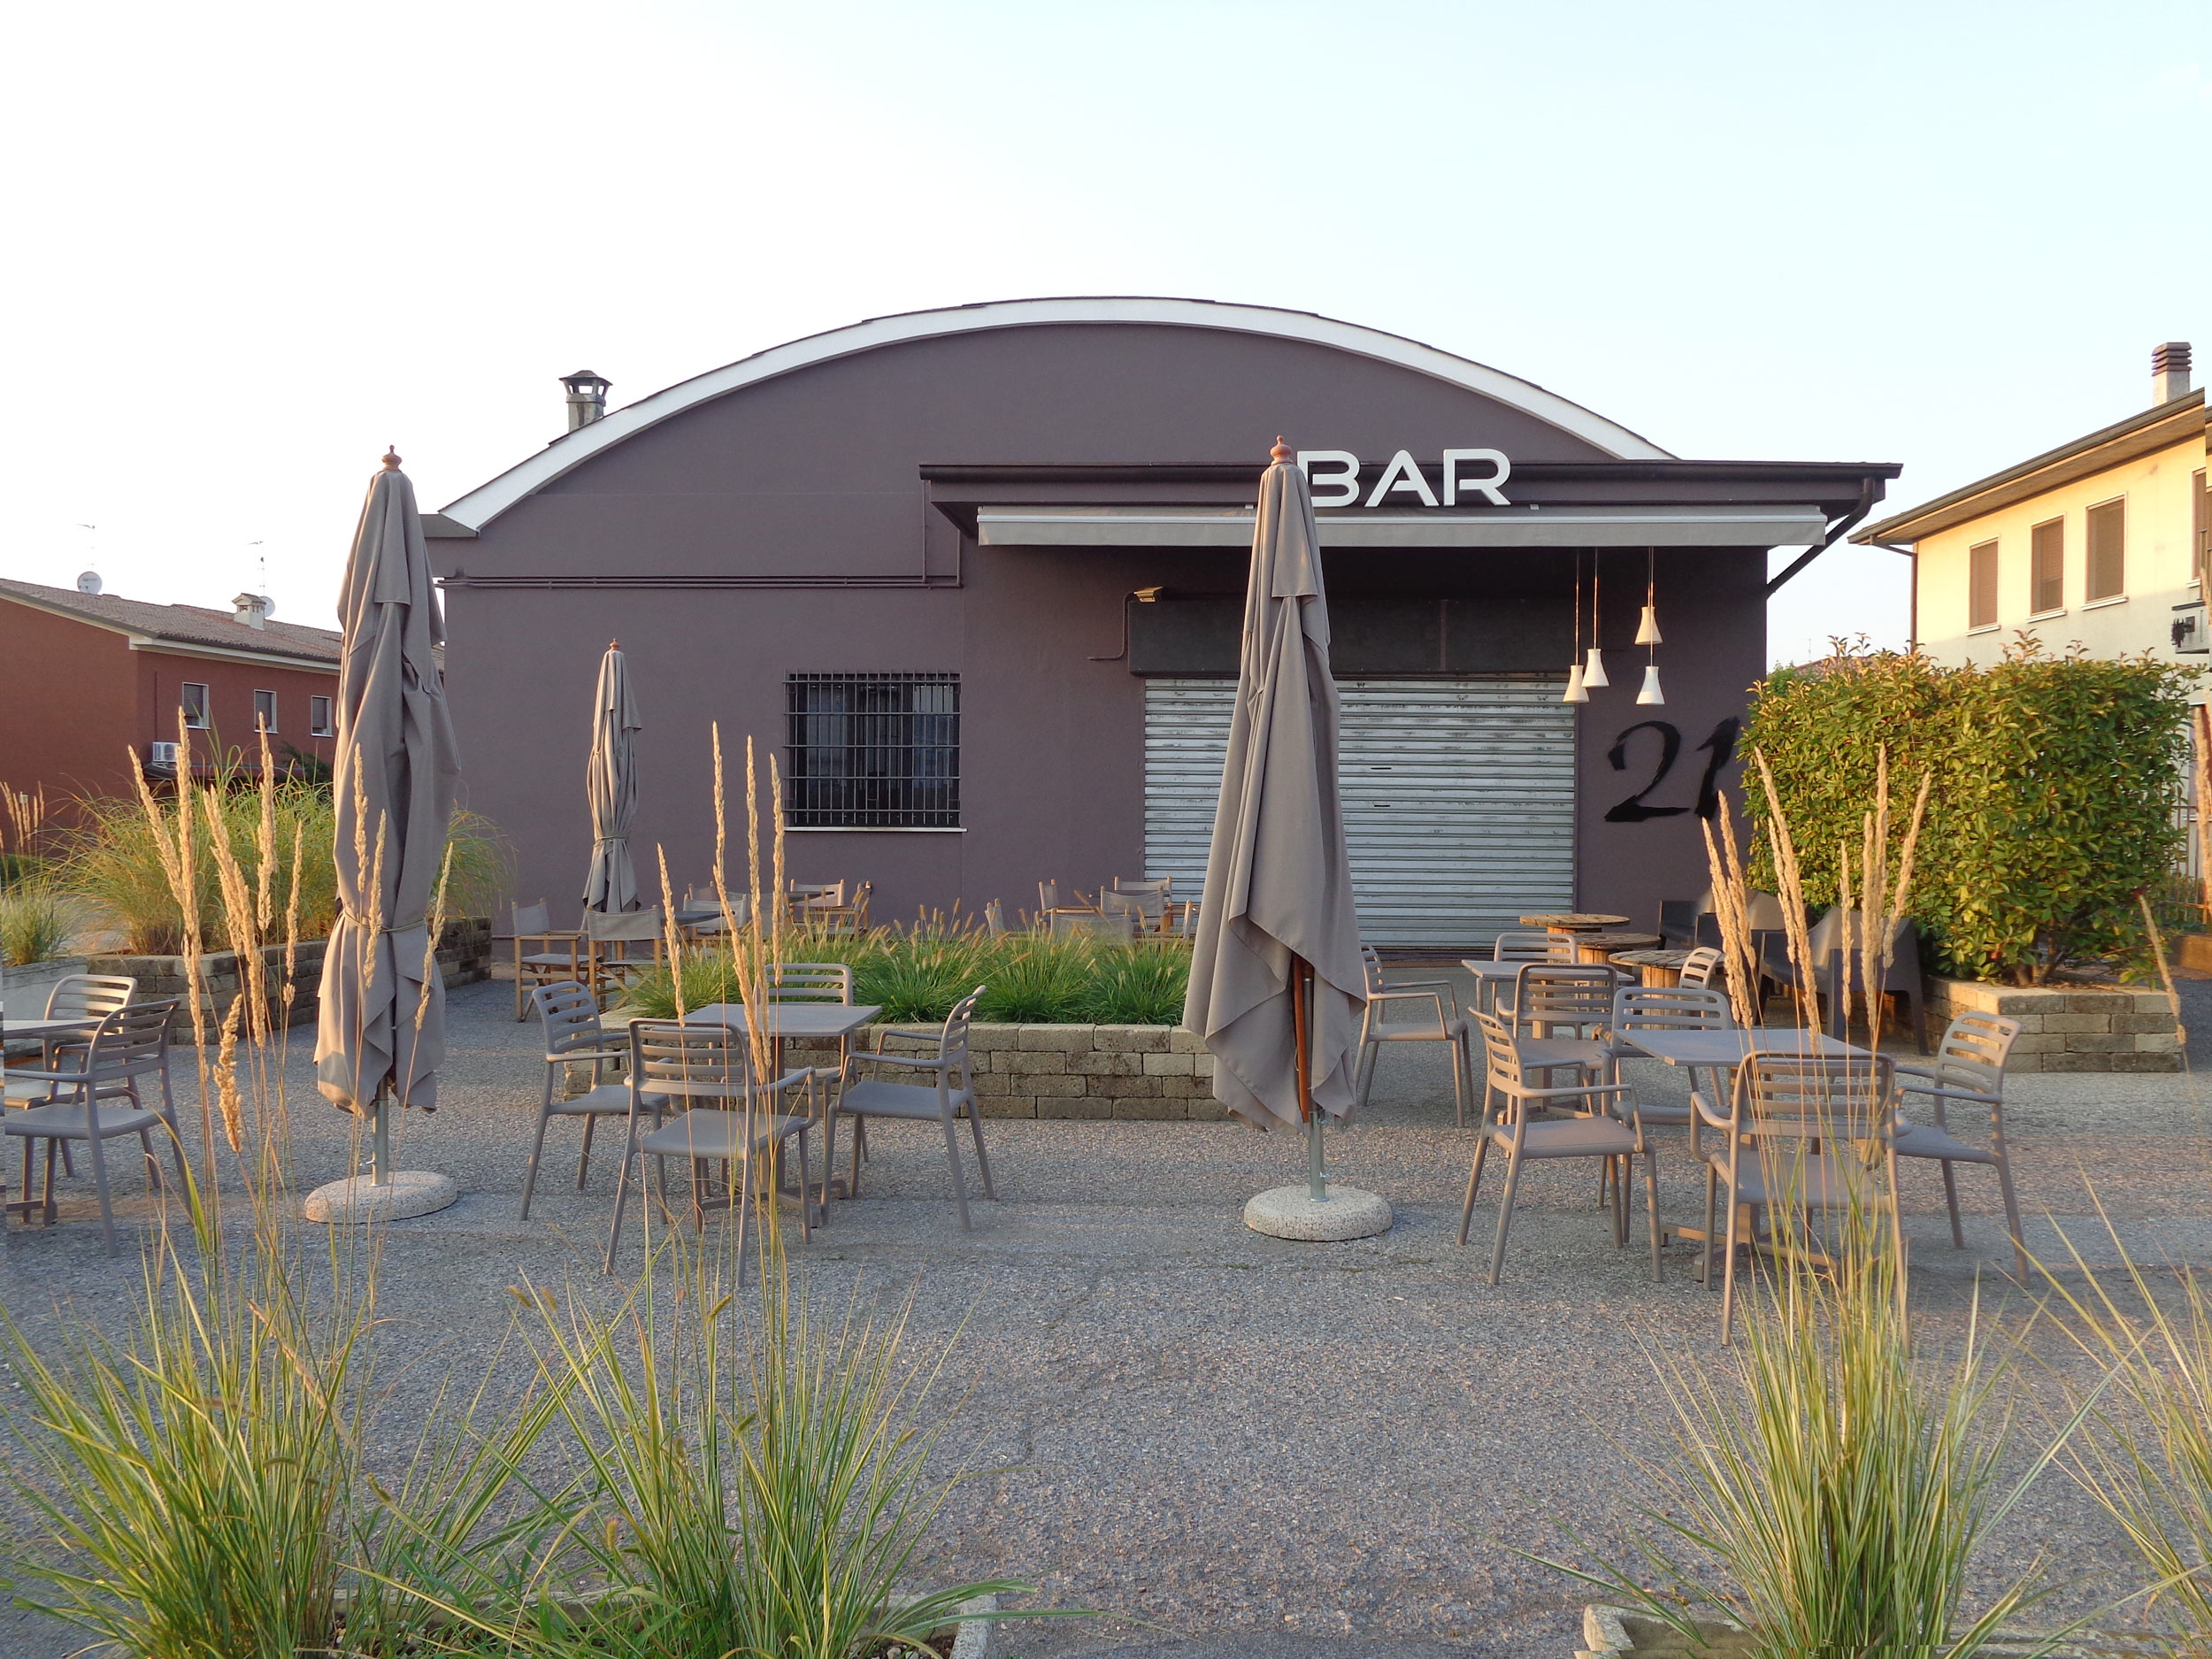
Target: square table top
{"x": 790, "y": 1019}
{"x": 1730, "y": 1046}
{"x": 29, "y": 1029}
{"x": 1483, "y": 970}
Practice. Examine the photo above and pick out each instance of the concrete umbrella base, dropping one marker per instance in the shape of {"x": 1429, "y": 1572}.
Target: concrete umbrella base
{"x": 359, "y": 1198}
{"x": 1290, "y": 1212}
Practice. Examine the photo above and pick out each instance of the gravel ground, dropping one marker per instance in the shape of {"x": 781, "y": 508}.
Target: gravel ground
{"x": 1228, "y": 1444}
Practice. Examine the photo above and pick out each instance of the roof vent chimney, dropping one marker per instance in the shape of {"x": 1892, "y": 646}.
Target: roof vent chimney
{"x": 252, "y": 609}
{"x": 587, "y": 396}
{"x": 2169, "y": 372}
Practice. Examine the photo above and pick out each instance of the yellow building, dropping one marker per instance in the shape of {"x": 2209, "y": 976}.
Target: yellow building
{"x": 2101, "y": 541}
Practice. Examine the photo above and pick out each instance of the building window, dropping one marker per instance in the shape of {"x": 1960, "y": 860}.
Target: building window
{"x": 264, "y": 711}
{"x": 873, "y": 751}
{"x": 2200, "y": 514}
{"x": 1981, "y": 585}
{"x": 2046, "y": 567}
{"x": 319, "y": 722}
{"x": 2107, "y": 550}
{"x": 193, "y": 700}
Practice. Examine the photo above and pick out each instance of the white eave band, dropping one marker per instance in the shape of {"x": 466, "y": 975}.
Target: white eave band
{"x": 1498, "y": 527}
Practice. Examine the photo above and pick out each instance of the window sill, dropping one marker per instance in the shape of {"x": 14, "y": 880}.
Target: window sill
{"x": 874, "y": 829}
{"x": 1986, "y": 627}
{"x": 2099, "y": 604}
{"x": 2045, "y": 616}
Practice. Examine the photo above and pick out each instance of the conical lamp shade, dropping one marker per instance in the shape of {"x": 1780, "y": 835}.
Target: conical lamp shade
{"x": 1594, "y": 671}
{"x": 1647, "y": 630}
{"x": 1575, "y": 693}
{"x": 1651, "y": 692}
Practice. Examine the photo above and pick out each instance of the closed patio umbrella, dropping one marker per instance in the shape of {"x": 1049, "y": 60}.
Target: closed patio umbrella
{"x": 611, "y": 781}
{"x": 1277, "y": 986}
{"x": 381, "y": 1037}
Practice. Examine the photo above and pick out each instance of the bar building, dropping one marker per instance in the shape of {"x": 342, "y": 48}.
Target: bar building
{"x": 975, "y": 577}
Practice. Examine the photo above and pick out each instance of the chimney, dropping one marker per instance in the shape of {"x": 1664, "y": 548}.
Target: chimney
{"x": 587, "y": 396}
{"x": 251, "y": 609}
{"x": 2169, "y": 372}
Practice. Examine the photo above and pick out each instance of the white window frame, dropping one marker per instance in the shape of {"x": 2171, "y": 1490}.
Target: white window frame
{"x": 184, "y": 702}
{"x": 270, "y": 728}
{"x": 324, "y": 723}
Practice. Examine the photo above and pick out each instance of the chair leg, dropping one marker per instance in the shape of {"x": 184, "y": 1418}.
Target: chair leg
{"x": 1705, "y": 1247}
{"x": 806, "y": 1204}
{"x": 537, "y": 1150}
{"x": 1951, "y": 1199}
{"x": 1505, "y": 1212}
{"x": 99, "y": 1176}
{"x": 982, "y": 1158}
{"x": 1459, "y": 1079}
{"x": 1474, "y": 1183}
{"x": 621, "y": 1193}
{"x": 2012, "y": 1214}
{"x": 959, "y": 1179}
{"x": 1363, "y": 1073}
{"x": 1728, "y": 1269}
{"x": 153, "y": 1163}
{"x": 860, "y": 1143}
{"x": 583, "y": 1160}
{"x": 1651, "y": 1206}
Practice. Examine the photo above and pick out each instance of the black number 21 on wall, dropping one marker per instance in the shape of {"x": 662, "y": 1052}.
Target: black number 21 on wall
{"x": 1720, "y": 749}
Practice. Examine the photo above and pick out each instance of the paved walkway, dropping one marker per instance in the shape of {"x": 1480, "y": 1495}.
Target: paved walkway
{"x": 1232, "y": 1444}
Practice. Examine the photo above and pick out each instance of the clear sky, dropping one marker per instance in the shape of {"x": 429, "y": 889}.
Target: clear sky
{"x": 249, "y": 245}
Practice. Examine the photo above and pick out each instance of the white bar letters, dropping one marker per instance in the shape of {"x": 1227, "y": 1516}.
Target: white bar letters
{"x": 1404, "y": 476}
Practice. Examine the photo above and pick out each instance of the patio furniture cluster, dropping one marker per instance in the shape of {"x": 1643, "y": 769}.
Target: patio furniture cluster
{"x": 1133, "y": 907}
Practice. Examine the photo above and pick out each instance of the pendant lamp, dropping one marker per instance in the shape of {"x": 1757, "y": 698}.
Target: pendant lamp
{"x": 1593, "y": 664}
{"x": 1648, "y": 633}
{"x": 1574, "y": 692}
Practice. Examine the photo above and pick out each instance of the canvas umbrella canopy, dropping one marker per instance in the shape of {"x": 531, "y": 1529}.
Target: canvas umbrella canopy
{"x": 610, "y": 782}
{"x": 381, "y": 1037}
{"x": 1277, "y": 985}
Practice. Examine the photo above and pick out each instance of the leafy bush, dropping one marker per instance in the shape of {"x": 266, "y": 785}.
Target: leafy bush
{"x": 36, "y": 924}
{"x": 2056, "y": 785}
{"x": 917, "y": 977}
{"x": 113, "y": 859}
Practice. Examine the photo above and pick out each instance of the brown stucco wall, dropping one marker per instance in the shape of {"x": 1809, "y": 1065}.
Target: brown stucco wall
{"x": 230, "y": 688}
{"x": 68, "y": 705}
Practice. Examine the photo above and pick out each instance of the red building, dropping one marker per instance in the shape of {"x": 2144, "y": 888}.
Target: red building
{"x": 89, "y": 680}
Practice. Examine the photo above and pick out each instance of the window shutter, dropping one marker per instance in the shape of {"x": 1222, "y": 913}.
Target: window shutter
{"x": 1981, "y": 585}
{"x": 2047, "y": 578}
{"x": 2107, "y": 550}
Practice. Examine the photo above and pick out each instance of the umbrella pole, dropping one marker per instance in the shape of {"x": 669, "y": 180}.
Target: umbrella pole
{"x": 1301, "y": 1021}
{"x": 380, "y": 1138}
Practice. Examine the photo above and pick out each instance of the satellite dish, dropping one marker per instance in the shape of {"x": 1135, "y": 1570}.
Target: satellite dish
{"x": 88, "y": 582}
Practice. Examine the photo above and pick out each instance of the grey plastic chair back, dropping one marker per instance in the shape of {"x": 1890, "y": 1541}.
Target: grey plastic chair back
{"x": 570, "y": 1017}
{"x": 811, "y": 982}
{"x": 89, "y": 996}
{"x": 1702, "y": 963}
{"x": 1546, "y": 995}
{"x": 1670, "y": 1008}
{"x": 1529, "y": 947}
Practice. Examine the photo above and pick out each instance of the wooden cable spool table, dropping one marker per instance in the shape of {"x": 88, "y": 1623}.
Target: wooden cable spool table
{"x": 1660, "y": 968}
{"x": 1600, "y": 947}
{"x": 1574, "y": 921}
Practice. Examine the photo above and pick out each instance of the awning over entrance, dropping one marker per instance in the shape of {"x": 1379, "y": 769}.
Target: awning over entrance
{"x": 1760, "y": 526}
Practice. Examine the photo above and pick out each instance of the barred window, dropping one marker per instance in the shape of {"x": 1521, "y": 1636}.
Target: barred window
{"x": 873, "y": 751}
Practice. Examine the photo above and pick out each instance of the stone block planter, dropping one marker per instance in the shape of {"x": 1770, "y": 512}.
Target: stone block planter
{"x": 2070, "y": 1027}
{"x": 465, "y": 956}
{"x": 1616, "y": 1633}
{"x": 1098, "y": 1071}
{"x": 26, "y": 985}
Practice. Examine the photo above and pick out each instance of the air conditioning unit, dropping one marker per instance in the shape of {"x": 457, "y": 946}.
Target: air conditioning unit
{"x": 2190, "y": 636}
{"x": 162, "y": 755}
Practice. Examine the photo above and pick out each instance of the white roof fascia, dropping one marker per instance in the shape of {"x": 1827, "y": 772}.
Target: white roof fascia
{"x": 487, "y": 501}
{"x": 217, "y": 653}
{"x": 1563, "y": 527}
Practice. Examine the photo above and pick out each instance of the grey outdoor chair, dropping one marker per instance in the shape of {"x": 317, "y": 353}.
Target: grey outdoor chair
{"x": 738, "y": 1121}
{"x": 621, "y": 947}
{"x": 815, "y": 982}
{"x": 1531, "y": 947}
{"x": 544, "y": 955}
{"x": 1700, "y": 967}
{"x": 1594, "y": 1128}
{"x": 1145, "y": 912}
{"x": 1552, "y": 997}
{"x": 994, "y": 919}
{"x": 89, "y": 997}
{"x": 1433, "y": 1006}
{"x": 99, "y": 1100}
{"x": 573, "y": 1036}
{"x": 1805, "y": 1134}
{"x": 1119, "y": 925}
{"x": 1970, "y": 1069}
{"x": 947, "y": 1096}
{"x": 1669, "y": 1008}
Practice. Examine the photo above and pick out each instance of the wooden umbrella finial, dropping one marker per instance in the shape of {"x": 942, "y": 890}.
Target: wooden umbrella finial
{"x": 391, "y": 458}
{"x": 1281, "y": 452}
{"x": 614, "y": 645}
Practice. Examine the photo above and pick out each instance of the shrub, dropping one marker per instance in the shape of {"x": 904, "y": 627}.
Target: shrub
{"x": 2056, "y": 785}
{"x": 36, "y": 923}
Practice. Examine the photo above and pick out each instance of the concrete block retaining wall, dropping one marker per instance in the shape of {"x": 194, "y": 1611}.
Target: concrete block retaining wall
{"x": 2070, "y": 1027}
{"x": 465, "y": 956}
{"x": 1127, "y": 1072}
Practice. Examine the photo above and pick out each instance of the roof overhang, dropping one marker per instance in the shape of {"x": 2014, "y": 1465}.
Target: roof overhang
{"x": 2180, "y": 421}
{"x": 485, "y": 502}
{"x": 1506, "y": 527}
{"x": 217, "y": 654}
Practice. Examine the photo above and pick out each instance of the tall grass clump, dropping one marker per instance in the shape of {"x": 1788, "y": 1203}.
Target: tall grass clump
{"x": 36, "y": 923}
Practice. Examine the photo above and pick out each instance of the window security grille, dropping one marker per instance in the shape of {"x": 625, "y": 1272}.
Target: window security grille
{"x": 873, "y": 751}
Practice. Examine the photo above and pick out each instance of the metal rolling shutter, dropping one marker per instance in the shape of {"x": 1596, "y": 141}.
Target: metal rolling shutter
{"x": 1458, "y": 798}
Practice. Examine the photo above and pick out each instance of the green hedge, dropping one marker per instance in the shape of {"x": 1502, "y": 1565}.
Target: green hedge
{"x": 2057, "y": 780}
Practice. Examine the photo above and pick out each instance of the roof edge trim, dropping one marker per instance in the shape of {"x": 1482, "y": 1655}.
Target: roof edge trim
{"x": 487, "y": 501}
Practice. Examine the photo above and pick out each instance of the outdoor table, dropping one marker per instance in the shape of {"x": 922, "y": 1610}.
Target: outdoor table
{"x": 40, "y": 1030}
{"x": 1599, "y": 948}
{"x": 1574, "y": 921}
{"x": 1661, "y": 969}
{"x": 828, "y": 1021}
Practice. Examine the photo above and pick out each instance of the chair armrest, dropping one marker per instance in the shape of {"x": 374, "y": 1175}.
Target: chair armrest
{"x": 1576, "y": 1094}
{"x": 912, "y": 1062}
{"x": 588, "y": 1054}
{"x": 1703, "y": 1108}
{"x": 1434, "y": 999}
